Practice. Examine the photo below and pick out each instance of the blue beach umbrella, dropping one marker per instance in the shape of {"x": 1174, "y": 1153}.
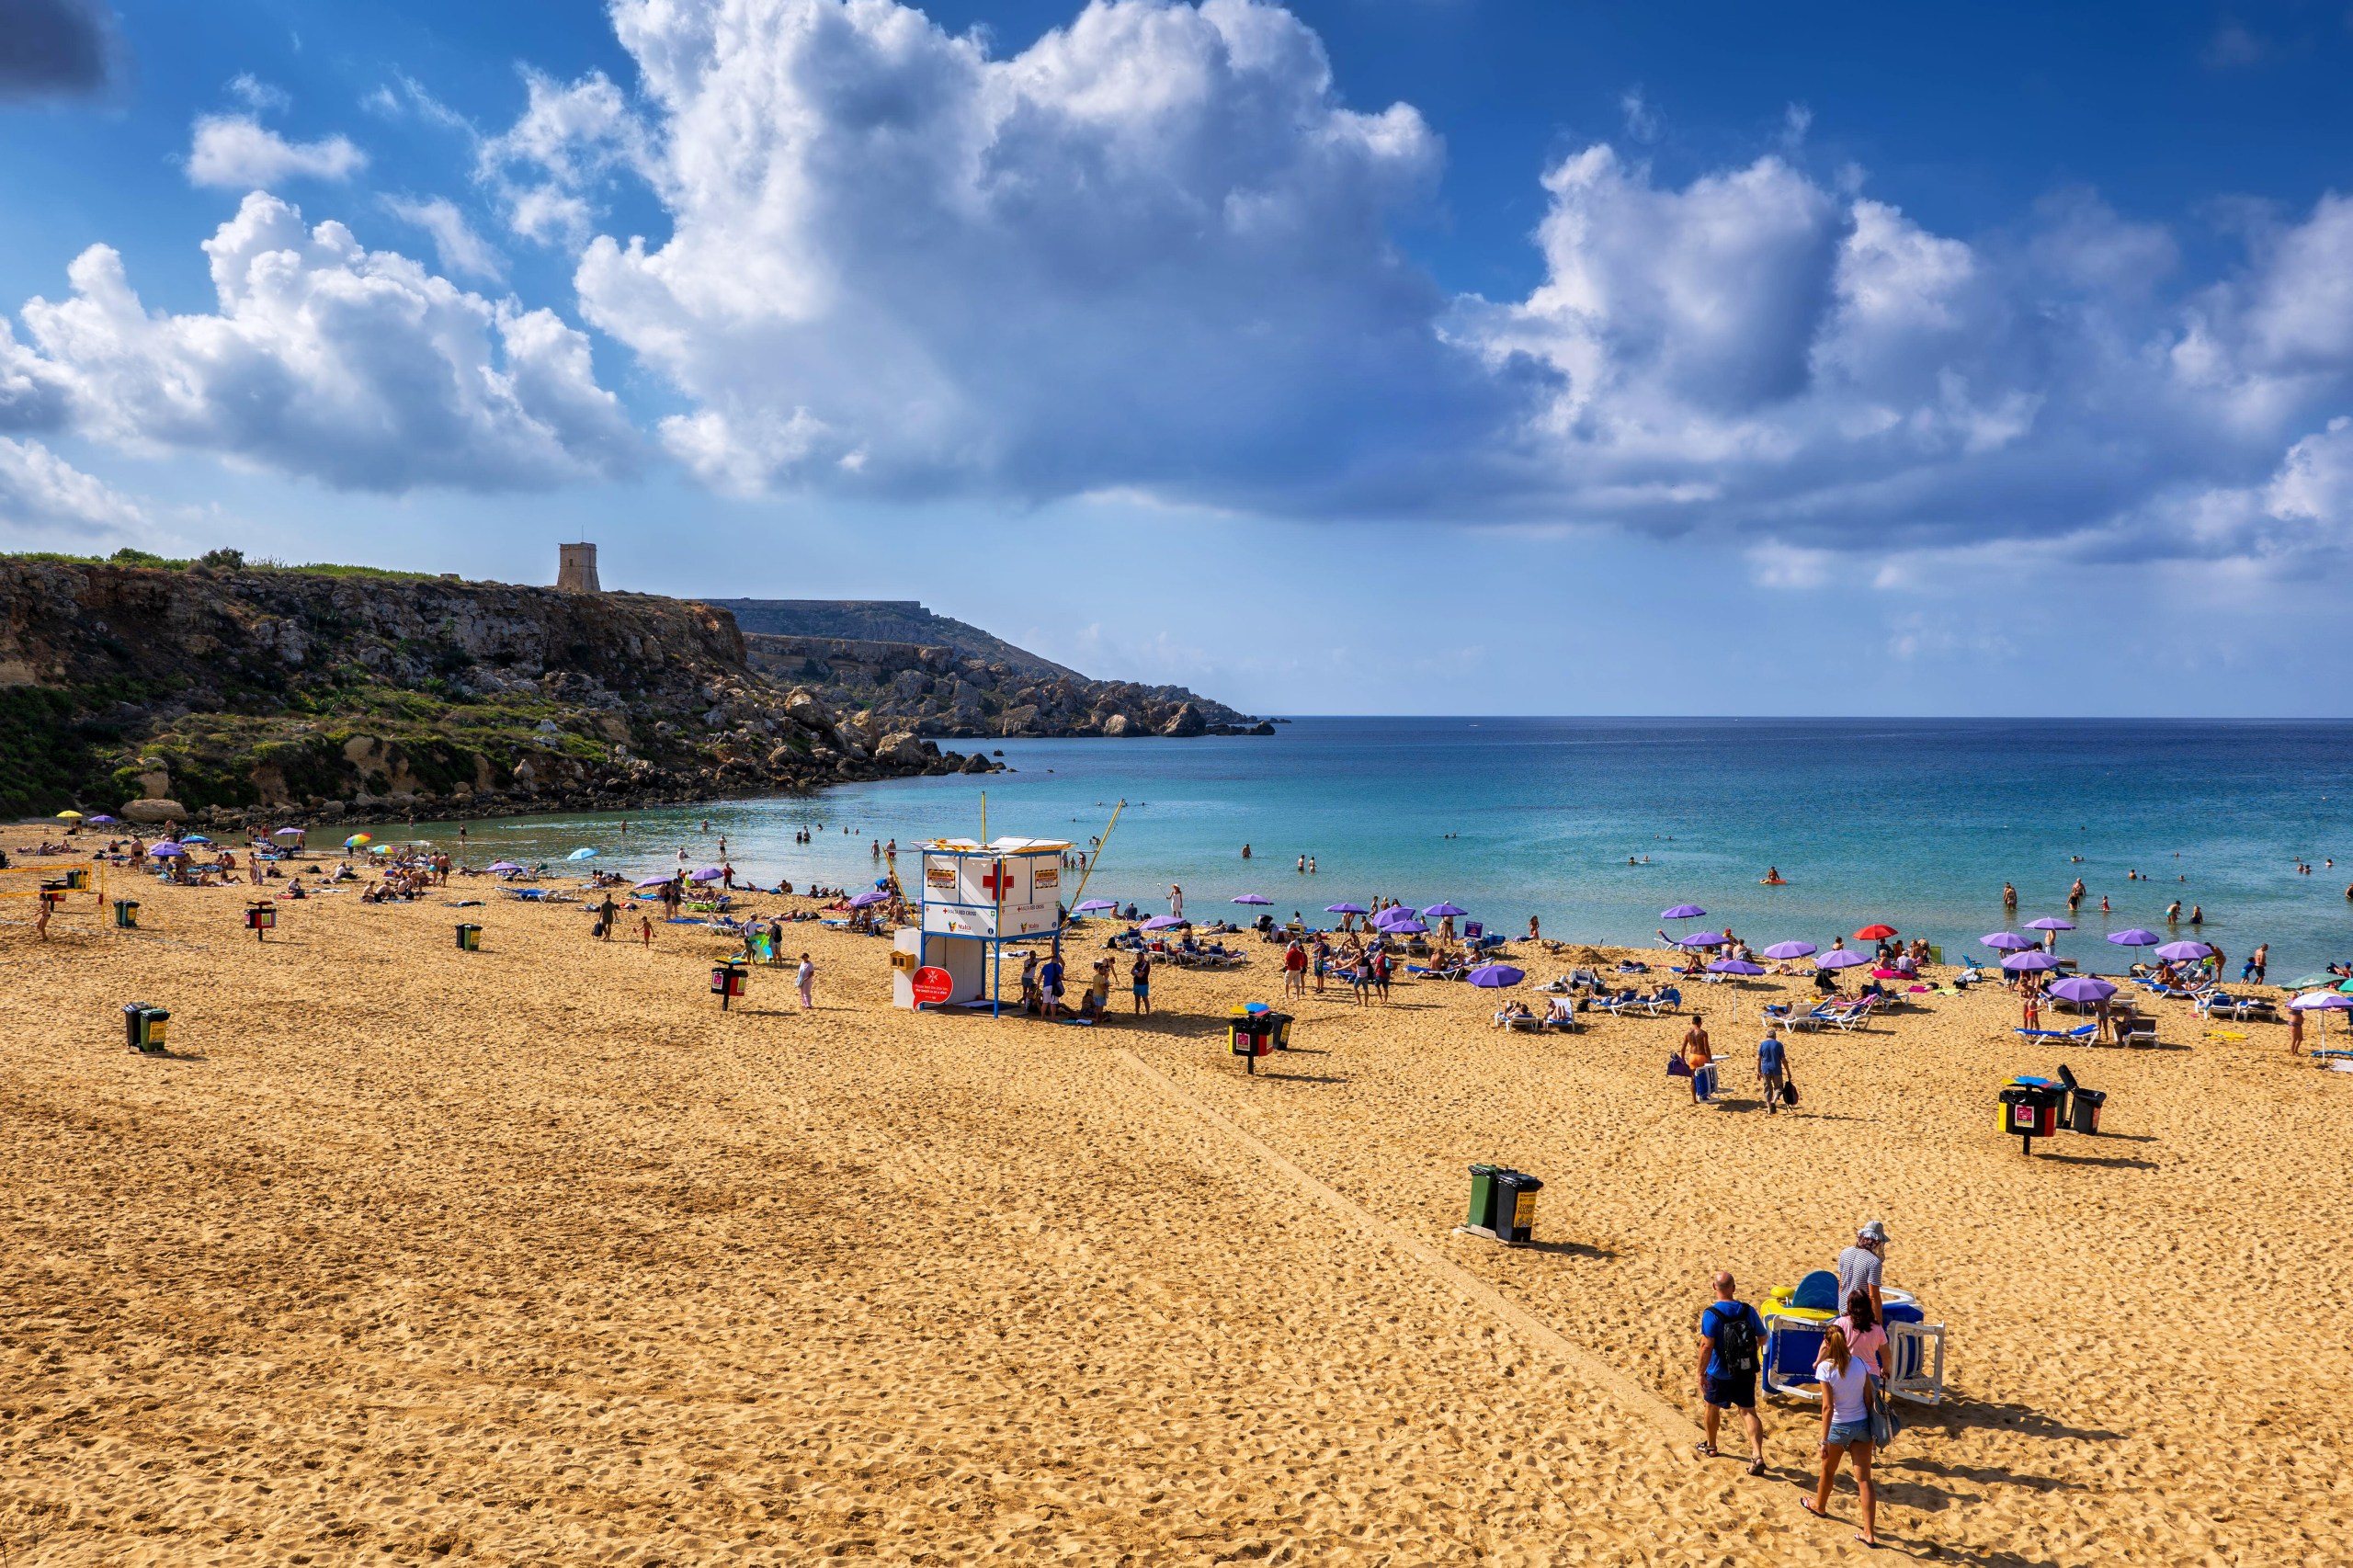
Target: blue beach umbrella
{"x": 582, "y": 855}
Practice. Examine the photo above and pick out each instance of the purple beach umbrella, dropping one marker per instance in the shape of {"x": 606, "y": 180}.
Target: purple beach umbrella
{"x": 1407, "y": 928}
{"x": 2032, "y": 959}
{"x": 511, "y": 866}
{"x": 1840, "y": 957}
{"x": 1784, "y": 951}
{"x": 1391, "y": 915}
{"x": 708, "y": 874}
{"x": 167, "y": 848}
{"x": 1700, "y": 939}
{"x": 2320, "y": 1001}
{"x": 2006, "y": 941}
{"x": 1252, "y": 898}
{"x": 2135, "y": 938}
{"x": 1682, "y": 912}
{"x": 868, "y": 900}
{"x": 1501, "y": 974}
{"x": 1345, "y": 909}
{"x": 2082, "y": 988}
{"x": 1735, "y": 966}
{"x": 1164, "y": 923}
{"x": 648, "y": 882}
{"x": 2049, "y": 922}
{"x": 101, "y": 817}
{"x": 1439, "y": 911}
{"x": 2183, "y": 952}
{"x": 1092, "y": 904}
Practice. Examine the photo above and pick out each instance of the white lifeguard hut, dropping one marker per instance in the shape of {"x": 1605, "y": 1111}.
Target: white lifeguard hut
{"x": 976, "y": 898}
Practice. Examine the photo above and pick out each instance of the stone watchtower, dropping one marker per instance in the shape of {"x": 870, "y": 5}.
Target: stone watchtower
{"x": 576, "y": 569}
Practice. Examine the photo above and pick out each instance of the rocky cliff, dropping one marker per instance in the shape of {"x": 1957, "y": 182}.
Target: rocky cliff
{"x": 945, "y": 692}
{"x": 232, "y": 689}
{"x": 883, "y": 621}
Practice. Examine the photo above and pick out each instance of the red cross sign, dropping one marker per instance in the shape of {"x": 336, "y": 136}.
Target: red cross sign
{"x": 998, "y": 880}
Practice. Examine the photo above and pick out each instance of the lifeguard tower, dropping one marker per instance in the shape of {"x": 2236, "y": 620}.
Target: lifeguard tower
{"x": 976, "y": 898}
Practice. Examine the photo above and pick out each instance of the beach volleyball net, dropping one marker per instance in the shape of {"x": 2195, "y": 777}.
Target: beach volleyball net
{"x": 63, "y": 883}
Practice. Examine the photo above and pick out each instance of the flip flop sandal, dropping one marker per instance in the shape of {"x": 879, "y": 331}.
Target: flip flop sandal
{"x": 1756, "y": 1469}
{"x": 1705, "y": 1451}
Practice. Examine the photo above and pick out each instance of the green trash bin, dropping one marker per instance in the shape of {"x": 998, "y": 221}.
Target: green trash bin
{"x": 469, "y": 937}
{"x": 126, "y": 914}
{"x": 143, "y": 1027}
{"x": 1515, "y": 1205}
{"x": 1483, "y": 1199}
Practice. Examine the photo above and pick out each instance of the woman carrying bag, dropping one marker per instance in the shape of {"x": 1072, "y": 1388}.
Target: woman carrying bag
{"x": 1847, "y": 1401}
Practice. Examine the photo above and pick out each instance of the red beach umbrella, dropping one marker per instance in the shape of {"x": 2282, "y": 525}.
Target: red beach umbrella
{"x": 1874, "y": 933}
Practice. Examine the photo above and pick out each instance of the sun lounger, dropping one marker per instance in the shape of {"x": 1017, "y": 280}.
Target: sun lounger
{"x": 2239, "y": 1008}
{"x": 1666, "y": 1002}
{"x": 2080, "y": 1035}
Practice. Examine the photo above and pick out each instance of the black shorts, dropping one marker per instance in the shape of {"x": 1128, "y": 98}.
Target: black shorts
{"x": 1737, "y": 1392}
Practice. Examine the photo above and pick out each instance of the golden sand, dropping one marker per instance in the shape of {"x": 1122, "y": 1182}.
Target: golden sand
{"x": 532, "y": 1255}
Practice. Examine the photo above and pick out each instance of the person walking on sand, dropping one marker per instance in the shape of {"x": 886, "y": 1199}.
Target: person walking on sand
{"x": 1773, "y": 1067}
{"x": 1360, "y": 978}
{"x": 1730, "y": 1335}
{"x": 1384, "y": 966}
{"x": 1294, "y": 969}
{"x": 1861, "y": 1265}
{"x": 645, "y": 931}
{"x": 1140, "y": 977}
{"x": 1322, "y": 960}
{"x": 1701, "y": 1058}
{"x": 1846, "y": 1430}
{"x": 805, "y": 980}
{"x": 2295, "y": 1031}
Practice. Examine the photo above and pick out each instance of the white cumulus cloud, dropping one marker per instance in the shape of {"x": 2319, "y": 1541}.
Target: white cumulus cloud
{"x": 238, "y": 153}
{"x": 1151, "y": 250}
{"x": 460, "y": 249}
{"x": 39, "y": 489}
{"x": 354, "y": 366}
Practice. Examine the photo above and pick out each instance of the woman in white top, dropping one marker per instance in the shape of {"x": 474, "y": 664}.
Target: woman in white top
{"x": 1846, "y": 1428}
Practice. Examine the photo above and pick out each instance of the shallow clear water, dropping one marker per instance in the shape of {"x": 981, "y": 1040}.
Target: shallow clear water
{"x": 1916, "y": 822}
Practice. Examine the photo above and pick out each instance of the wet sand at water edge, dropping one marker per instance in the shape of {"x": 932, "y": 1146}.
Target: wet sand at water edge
{"x": 532, "y": 1255}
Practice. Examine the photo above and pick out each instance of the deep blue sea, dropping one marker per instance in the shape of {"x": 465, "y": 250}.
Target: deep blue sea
{"x": 1915, "y": 823}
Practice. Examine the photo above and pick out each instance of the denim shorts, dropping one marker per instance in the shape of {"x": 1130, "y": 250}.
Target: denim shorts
{"x": 1845, "y": 1432}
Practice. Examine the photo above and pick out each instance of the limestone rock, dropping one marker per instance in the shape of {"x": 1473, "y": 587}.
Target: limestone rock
{"x": 153, "y": 810}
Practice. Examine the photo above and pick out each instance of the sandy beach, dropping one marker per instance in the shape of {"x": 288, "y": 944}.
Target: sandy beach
{"x": 532, "y": 1255}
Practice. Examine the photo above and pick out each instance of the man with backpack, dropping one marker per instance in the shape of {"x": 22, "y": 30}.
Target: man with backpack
{"x": 1732, "y": 1349}
{"x": 1773, "y": 1067}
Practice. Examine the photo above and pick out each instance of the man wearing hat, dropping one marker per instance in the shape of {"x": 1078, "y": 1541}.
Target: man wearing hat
{"x": 1859, "y": 1266}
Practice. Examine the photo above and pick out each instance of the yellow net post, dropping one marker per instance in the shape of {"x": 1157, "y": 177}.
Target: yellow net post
{"x": 1096, "y": 856}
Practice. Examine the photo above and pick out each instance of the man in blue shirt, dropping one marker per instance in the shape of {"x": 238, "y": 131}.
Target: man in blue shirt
{"x": 1050, "y": 984}
{"x": 1732, "y": 1347}
{"x": 1772, "y": 1067}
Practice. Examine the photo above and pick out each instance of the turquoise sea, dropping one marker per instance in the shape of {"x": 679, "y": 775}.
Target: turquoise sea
{"x": 1915, "y": 823}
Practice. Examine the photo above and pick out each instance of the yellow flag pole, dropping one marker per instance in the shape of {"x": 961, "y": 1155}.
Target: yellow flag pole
{"x": 1097, "y": 855}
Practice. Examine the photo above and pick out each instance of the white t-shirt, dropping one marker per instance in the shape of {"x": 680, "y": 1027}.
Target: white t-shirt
{"x": 1844, "y": 1391}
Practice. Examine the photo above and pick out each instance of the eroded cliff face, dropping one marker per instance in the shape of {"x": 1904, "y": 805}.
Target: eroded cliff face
{"x": 936, "y": 691}
{"x": 293, "y": 690}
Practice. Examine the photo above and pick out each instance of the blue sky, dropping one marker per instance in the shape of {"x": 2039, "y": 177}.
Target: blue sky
{"x": 1356, "y": 356}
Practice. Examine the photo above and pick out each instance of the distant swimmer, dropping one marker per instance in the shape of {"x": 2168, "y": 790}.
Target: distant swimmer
{"x": 2009, "y": 896}
{"x": 1772, "y": 877}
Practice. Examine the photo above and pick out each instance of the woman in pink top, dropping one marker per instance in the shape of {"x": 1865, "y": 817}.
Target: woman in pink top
{"x": 1866, "y": 1338}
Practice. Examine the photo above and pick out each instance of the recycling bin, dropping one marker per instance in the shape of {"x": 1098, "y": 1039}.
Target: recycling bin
{"x": 2084, "y": 1109}
{"x": 1280, "y": 1023}
{"x": 78, "y": 880}
{"x": 126, "y": 914}
{"x": 143, "y": 1027}
{"x": 469, "y": 937}
{"x": 2030, "y": 1109}
{"x": 261, "y": 918}
{"x": 1515, "y": 1205}
{"x": 1249, "y": 1034}
{"x": 727, "y": 982}
{"x": 1483, "y": 1199}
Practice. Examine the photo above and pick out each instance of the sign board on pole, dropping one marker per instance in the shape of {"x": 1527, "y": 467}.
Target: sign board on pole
{"x": 933, "y": 985}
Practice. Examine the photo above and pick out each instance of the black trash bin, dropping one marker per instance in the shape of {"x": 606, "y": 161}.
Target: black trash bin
{"x": 2083, "y": 1112}
{"x": 1483, "y": 1199}
{"x": 143, "y": 1027}
{"x": 1515, "y": 1205}
{"x": 1279, "y": 1026}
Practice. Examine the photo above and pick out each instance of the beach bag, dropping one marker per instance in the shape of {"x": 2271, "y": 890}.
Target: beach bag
{"x": 1884, "y": 1424}
{"x": 1677, "y": 1068}
{"x": 1789, "y": 1089}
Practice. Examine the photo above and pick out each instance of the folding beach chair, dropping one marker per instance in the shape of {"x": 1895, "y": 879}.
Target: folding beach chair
{"x": 1794, "y": 1322}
